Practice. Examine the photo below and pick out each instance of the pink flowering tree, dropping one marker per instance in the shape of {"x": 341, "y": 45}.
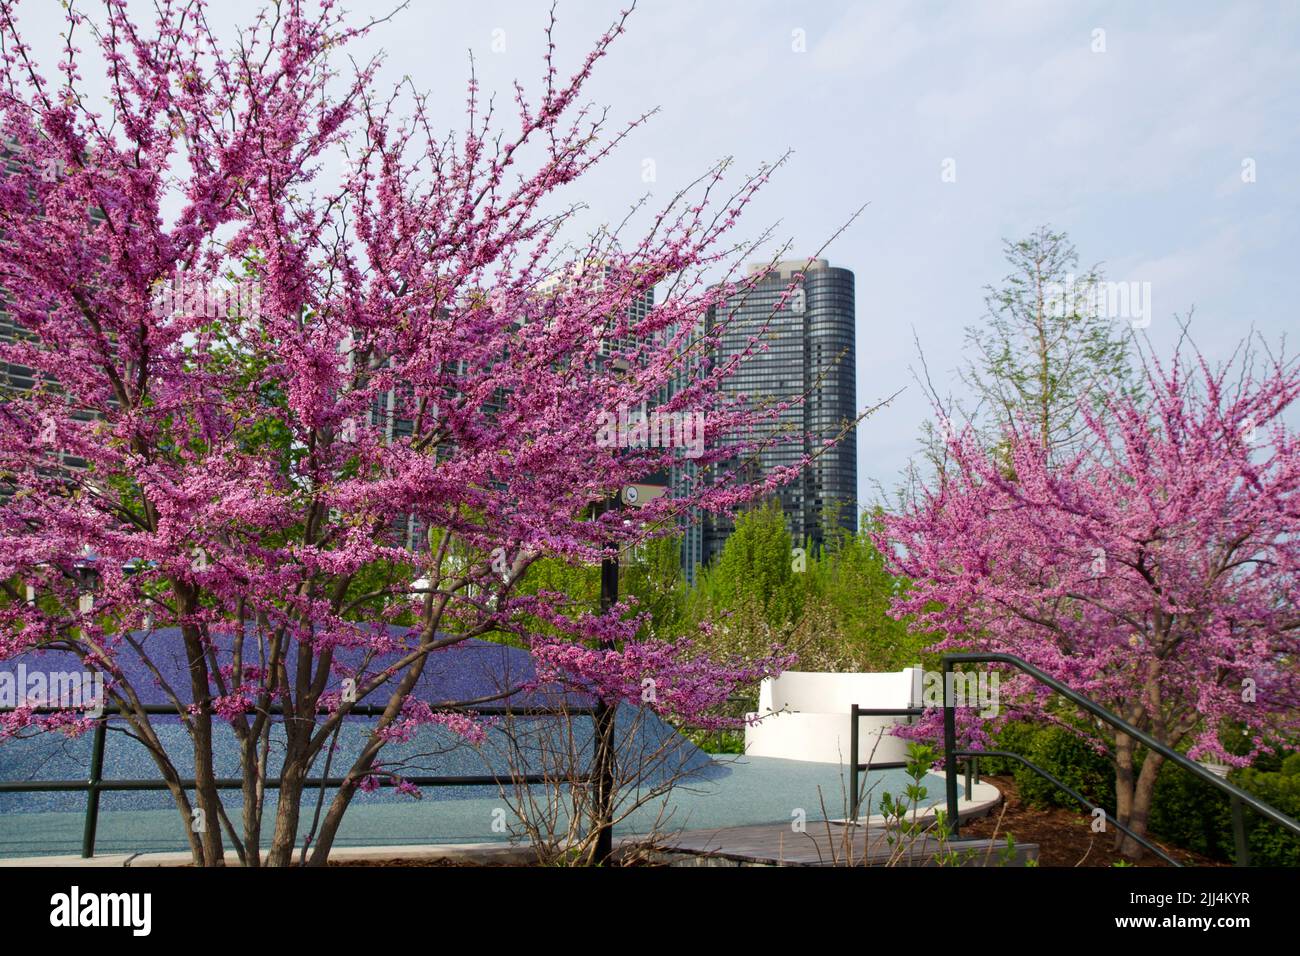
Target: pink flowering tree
{"x": 314, "y": 385}
{"x": 1157, "y": 573}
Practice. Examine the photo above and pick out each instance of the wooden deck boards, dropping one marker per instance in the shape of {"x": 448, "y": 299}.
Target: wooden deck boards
{"x": 830, "y": 845}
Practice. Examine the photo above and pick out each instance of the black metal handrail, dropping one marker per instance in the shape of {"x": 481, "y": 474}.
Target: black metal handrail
{"x": 96, "y": 785}
{"x": 1008, "y": 755}
{"x": 1239, "y": 796}
{"x": 856, "y": 766}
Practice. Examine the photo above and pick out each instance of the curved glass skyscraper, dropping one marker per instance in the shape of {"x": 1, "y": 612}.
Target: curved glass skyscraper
{"x": 810, "y": 352}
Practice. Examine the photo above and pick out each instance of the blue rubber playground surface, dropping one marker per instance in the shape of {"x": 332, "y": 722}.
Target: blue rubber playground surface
{"x": 734, "y": 791}
{"x": 710, "y": 792}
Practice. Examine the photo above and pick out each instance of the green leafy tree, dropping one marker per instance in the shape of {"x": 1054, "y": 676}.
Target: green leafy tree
{"x": 831, "y": 607}
{"x": 652, "y": 575}
{"x": 650, "y": 579}
{"x": 1044, "y": 344}
{"x": 756, "y": 565}
{"x": 848, "y": 579}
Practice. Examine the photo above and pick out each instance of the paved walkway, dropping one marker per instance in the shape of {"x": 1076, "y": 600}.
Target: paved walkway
{"x": 733, "y": 791}
{"x": 832, "y": 844}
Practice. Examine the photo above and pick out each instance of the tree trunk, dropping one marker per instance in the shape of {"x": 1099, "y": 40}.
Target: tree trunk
{"x": 320, "y": 852}
{"x": 1142, "y": 794}
{"x": 252, "y": 793}
{"x": 200, "y": 728}
{"x": 183, "y": 805}
{"x": 287, "y": 809}
{"x": 205, "y": 786}
{"x": 365, "y": 760}
{"x": 1124, "y": 780}
{"x": 140, "y": 722}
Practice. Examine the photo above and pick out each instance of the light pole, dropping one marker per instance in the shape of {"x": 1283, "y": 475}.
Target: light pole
{"x": 603, "y": 722}
{"x": 632, "y": 496}
{"x": 602, "y": 770}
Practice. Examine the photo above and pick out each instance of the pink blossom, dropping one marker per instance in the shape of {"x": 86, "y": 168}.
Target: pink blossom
{"x": 266, "y": 484}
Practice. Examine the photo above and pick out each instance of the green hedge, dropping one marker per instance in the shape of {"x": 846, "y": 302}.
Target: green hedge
{"x": 1067, "y": 757}
{"x": 1269, "y": 843}
{"x": 1191, "y": 814}
{"x": 1185, "y": 811}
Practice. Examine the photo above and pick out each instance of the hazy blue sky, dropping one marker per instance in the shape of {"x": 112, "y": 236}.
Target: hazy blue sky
{"x": 1136, "y": 151}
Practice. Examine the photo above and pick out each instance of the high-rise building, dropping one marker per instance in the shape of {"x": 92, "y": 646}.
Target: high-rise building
{"x": 15, "y": 378}
{"x": 809, "y": 363}
{"x": 12, "y": 377}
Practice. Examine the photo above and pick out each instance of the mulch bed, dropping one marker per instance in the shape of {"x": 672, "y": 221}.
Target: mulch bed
{"x": 1064, "y": 836}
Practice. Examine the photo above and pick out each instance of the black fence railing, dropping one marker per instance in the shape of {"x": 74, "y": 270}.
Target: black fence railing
{"x": 1239, "y": 797}
{"x": 95, "y": 784}
{"x": 972, "y": 756}
{"x": 857, "y": 766}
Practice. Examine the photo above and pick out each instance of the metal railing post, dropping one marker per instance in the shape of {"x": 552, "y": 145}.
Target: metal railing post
{"x": 1236, "y": 795}
{"x": 95, "y": 784}
{"x": 92, "y": 788}
{"x": 1073, "y": 794}
{"x": 950, "y": 747}
{"x": 1239, "y": 832}
{"x": 853, "y": 765}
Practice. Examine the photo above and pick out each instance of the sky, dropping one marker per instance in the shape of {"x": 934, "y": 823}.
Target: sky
{"x": 1164, "y": 137}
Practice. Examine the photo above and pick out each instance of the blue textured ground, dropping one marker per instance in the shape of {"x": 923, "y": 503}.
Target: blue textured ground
{"x": 721, "y": 792}
{"x": 733, "y": 791}
{"x": 471, "y": 670}
{"x": 434, "y": 751}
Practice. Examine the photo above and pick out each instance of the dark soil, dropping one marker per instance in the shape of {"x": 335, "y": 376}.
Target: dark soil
{"x": 1064, "y": 836}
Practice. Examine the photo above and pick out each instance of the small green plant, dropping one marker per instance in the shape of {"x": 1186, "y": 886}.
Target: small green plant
{"x": 1007, "y": 855}
{"x": 717, "y": 741}
{"x": 906, "y": 827}
{"x": 912, "y": 828}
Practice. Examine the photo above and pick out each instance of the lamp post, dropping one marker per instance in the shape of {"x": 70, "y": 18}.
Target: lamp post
{"x": 631, "y": 496}
{"x": 603, "y": 724}
{"x": 604, "y": 717}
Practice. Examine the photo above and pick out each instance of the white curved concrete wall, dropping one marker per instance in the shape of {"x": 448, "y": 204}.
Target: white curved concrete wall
{"x": 805, "y": 715}
{"x": 823, "y": 738}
